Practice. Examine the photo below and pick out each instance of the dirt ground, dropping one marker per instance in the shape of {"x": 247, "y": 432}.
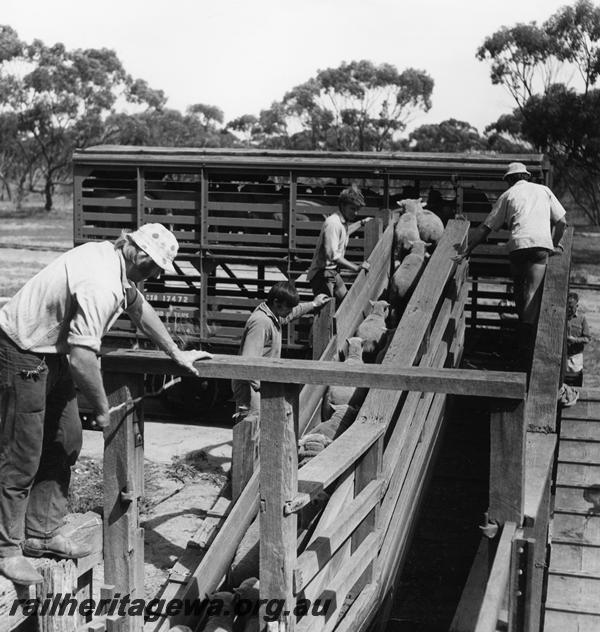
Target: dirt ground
{"x": 187, "y": 464}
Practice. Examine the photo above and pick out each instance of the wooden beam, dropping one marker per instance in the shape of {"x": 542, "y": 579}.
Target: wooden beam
{"x": 278, "y": 472}
{"x": 213, "y": 567}
{"x": 507, "y": 462}
{"x": 322, "y": 330}
{"x": 321, "y": 549}
{"x": 547, "y": 356}
{"x": 244, "y": 455}
{"x": 386, "y": 376}
{"x": 123, "y": 537}
{"x": 497, "y": 583}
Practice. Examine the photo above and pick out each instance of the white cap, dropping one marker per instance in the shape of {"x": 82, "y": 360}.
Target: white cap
{"x": 158, "y": 242}
{"x": 515, "y": 167}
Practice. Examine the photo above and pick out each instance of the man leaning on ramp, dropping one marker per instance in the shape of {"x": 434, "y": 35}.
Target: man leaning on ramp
{"x": 50, "y": 336}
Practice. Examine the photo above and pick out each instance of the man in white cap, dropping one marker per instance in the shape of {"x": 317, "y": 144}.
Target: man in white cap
{"x": 536, "y": 220}
{"x": 50, "y": 336}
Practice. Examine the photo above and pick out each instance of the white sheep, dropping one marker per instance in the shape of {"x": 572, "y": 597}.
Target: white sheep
{"x": 373, "y": 329}
{"x": 340, "y": 395}
{"x": 249, "y": 592}
{"x": 408, "y": 272}
{"x": 223, "y": 621}
{"x": 406, "y": 229}
{"x": 431, "y": 227}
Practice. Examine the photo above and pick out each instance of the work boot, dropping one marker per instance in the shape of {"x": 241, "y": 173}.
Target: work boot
{"x": 58, "y": 545}
{"x": 19, "y": 570}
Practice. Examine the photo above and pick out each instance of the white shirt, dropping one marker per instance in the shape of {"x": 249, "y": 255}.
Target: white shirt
{"x": 528, "y": 210}
{"x": 73, "y": 301}
{"x": 331, "y": 245}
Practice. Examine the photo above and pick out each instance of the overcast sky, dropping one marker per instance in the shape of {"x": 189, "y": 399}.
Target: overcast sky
{"x": 242, "y": 55}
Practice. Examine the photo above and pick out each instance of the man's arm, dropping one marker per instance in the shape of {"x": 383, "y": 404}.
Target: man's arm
{"x": 352, "y": 228}
{"x": 306, "y": 308}
{"x": 144, "y": 317}
{"x": 332, "y": 240}
{"x": 585, "y": 331}
{"x": 557, "y": 234}
{"x": 479, "y": 235}
{"x": 85, "y": 370}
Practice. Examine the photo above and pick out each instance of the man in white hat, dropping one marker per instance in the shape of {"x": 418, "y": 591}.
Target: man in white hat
{"x": 50, "y": 336}
{"x": 536, "y": 220}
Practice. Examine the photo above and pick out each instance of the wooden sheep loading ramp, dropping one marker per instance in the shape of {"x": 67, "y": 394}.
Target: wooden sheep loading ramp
{"x": 573, "y": 600}
{"x": 380, "y": 461}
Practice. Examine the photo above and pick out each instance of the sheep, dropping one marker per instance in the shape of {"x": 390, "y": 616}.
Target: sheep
{"x": 372, "y": 329}
{"x": 339, "y": 395}
{"x": 223, "y": 621}
{"x": 326, "y": 432}
{"x": 248, "y": 592}
{"x": 405, "y": 231}
{"x": 430, "y": 226}
{"x": 407, "y": 273}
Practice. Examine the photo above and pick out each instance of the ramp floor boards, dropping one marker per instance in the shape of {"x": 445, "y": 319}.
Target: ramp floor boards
{"x": 573, "y": 599}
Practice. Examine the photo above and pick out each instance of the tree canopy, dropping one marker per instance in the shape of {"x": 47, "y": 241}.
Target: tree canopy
{"x": 53, "y": 100}
{"x": 551, "y": 70}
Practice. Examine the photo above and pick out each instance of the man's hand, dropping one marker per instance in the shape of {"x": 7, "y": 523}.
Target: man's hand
{"x": 186, "y": 359}
{"x": 558, "y": 250}
{"x": 101, "y": 420}
{"x": 321, "y": 300}
{"x": 459, "y": 257}
{"x": 571, "y": 339}
{"x": 365, "y": 265}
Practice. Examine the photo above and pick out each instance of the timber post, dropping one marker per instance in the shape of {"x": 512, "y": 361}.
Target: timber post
{"x": 278, "y": 486}
{"x": 123, "y": 488}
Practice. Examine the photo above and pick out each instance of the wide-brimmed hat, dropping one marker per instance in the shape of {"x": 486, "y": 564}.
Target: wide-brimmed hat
{"x": 158, "y": 242}
{"x": 515, "y": 167}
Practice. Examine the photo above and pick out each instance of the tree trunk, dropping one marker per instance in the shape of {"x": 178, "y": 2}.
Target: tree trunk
{"x": 48, "y": 195}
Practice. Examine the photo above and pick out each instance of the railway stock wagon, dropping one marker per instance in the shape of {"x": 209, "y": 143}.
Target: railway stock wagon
{"x": 248, "y": 218}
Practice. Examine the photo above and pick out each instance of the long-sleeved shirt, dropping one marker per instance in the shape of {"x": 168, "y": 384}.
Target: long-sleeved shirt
{"x": 73, "y": 301}
{"x": 262, "y": 334}
{"x": 577, "y": 328}
{"x": 528, "y": 209}
{"x": 331, "y": 245}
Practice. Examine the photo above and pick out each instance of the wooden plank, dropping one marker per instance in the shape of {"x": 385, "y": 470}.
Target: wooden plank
{"x": 403, "y": 377}
{"x": 575, "y": 500}
{"x": 575, "y": 559}
{"x": 322, "y": 329}
{"x": 573, "y": 593}
{"x": 507, "y": 463}
{"x": 244, "y": 454}
{"x": 577, "y": 474}
{"x": 558, "y": 621}
{"x": 317, "y": 553}
{"x": 582, "y": 410}
{"x": 545, "y": 377}
{"x": 341, "y": 585}
{"x": 580, "y": 430}
{"x": 373, "y": 232}
{"x": 215, "y": 563}
{"x": 123, "y": 538}
{"x": 579, "y": 452}
{"x": 278, "y": 472}
{"x": 576, "y": 528}
{"x": 497, "y": 582}
{"x": 361, "y": 611}
{"x": 539, "y": 458}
